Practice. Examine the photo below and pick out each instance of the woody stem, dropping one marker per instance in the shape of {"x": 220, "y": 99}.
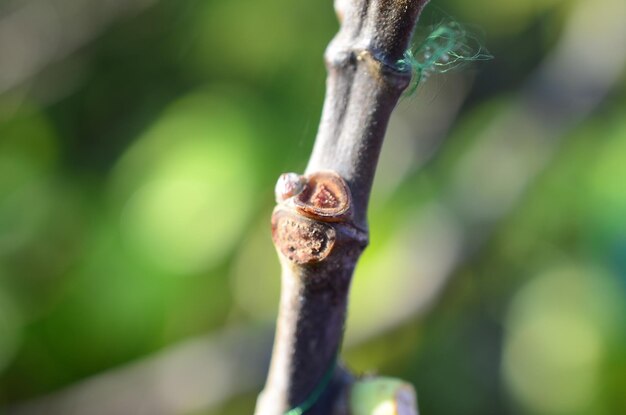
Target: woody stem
{"x": 363, "y": 86}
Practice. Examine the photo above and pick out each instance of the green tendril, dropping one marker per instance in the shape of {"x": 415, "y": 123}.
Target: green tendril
{"x": 447, "y": 47}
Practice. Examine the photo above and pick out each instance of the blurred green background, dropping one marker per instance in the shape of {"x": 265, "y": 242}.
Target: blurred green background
{"x": 139, "y": 145}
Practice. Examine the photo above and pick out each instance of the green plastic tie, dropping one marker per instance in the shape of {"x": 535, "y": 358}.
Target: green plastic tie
{"x": 315, "y": 395}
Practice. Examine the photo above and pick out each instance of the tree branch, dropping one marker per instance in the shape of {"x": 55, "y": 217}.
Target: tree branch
{"x": 319, "y": 226}
{"x": 363, "y": 87}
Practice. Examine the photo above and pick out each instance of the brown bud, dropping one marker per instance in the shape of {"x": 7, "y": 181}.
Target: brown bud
{"x": 301, "y": 240}
{"x": 288, "y": 185}
{"x": 325, "y": 197}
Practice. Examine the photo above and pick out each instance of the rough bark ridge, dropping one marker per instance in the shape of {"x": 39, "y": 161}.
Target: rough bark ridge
{"x": 319, "y": 226}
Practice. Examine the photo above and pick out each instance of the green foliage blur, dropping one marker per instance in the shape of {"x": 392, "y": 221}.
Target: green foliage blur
{"x": 139, "y": 145}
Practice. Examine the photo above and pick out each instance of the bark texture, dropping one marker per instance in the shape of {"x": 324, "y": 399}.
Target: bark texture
{"x": 319, "y": 226}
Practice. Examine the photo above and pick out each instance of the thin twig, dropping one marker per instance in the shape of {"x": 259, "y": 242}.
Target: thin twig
{"x": 320, "y": 223}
